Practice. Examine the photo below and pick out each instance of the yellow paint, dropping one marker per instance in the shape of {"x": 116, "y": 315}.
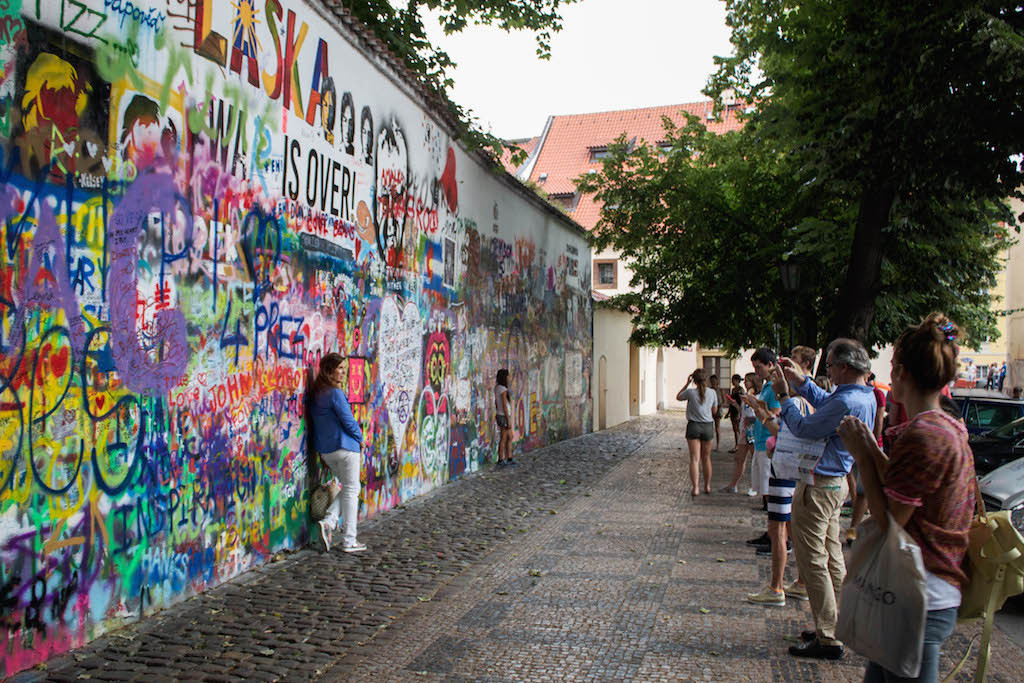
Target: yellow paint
{"x": 52, "y": 72}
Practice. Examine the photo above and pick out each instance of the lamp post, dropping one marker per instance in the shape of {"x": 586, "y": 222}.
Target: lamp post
{"x": 789, "y": 270}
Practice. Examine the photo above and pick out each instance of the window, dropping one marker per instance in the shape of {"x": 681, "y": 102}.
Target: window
{"x": 598, "y": 153}
{"x": 990, "y": 416}
{"x": 721, "y": 366}
{"x": 566, "y": 201}
{"x": 606, "y": 274}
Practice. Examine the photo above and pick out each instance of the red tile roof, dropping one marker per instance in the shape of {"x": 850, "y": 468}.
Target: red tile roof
{"x": 566, "y": 152}
{"x": 527, "y": 145}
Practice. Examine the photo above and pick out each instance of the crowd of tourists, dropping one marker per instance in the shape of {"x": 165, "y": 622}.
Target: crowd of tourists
{"x": 897, "y": 456}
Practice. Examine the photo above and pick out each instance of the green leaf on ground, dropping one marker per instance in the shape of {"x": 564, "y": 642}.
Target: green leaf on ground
{"x": 563, "y": 482}
{"x": 705, "y": 610}
{"x": 423, "y": 598}
{"x": 719, "y": 559}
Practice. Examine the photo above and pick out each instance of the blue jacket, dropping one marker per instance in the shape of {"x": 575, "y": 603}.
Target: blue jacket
{"x": 829, "y": 410}
{"x": 334, "y": 427}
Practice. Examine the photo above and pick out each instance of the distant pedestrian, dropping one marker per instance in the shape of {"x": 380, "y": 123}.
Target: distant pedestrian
{"x": 1002, "y": 376}
{"x": 733, "y": 399}
{"x": 714, "y": 385}
{"x": 745, "y": 445}
{"x": 701, "y": 404}
{"x": 338, "y": 439}
{"x": 816, "y": 505}
{"x": 926, "y": 485}
{"x": 502, "y": 415}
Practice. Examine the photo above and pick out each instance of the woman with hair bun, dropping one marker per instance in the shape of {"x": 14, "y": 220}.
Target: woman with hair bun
{"x": 926, "y": 482}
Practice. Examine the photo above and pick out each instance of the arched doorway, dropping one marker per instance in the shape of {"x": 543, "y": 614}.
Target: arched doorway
{"x": 602, "y": 393}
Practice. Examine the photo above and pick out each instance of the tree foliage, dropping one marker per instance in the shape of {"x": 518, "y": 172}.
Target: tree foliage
{"x": 404, "y": 32}
{"x": 881, "y": 151}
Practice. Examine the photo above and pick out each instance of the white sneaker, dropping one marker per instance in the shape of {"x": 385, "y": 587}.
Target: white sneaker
{"x": 322, "y": 536}
{"x": 354, "y": 547}
{"x": 751, "y": 492}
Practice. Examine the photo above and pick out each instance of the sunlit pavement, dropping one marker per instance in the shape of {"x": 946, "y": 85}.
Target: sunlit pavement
{"x": 588, "y": 562}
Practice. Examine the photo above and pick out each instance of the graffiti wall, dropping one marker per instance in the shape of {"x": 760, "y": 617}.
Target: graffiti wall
{"x": 200, "y": 198}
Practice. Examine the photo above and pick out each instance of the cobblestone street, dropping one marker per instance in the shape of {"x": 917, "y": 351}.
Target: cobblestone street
{"x": 588, "y": 562}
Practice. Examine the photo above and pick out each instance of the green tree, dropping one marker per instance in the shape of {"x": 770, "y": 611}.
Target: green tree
{"x": 403, "y": 31}
{"x": 868, "y": 157}
{"x": 906, "y": 108}
{"x": 705, "y": 228}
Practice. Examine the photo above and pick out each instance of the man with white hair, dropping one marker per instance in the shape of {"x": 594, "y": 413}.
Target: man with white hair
{"x": 816, "y": 506}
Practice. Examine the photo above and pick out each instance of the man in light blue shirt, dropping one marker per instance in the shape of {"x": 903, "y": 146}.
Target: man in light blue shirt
{"x": 816, "y": 506}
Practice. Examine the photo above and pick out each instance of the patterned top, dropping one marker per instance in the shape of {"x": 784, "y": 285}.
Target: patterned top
{"x": 931, "y": 468}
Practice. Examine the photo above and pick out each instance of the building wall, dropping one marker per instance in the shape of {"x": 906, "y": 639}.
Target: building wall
{"x": 611, "y": 342}
{"x": 199, "y": 201}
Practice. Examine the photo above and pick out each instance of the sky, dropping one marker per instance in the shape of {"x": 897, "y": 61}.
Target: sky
{"x": 610, "y": 54}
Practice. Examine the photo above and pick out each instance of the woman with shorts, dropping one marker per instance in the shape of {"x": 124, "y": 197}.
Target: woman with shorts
{"x": 701, "y": 405}
{"x": 502, "y": 413}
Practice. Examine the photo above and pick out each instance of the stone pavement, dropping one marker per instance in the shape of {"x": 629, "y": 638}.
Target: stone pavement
{"x": 589, "y": 562}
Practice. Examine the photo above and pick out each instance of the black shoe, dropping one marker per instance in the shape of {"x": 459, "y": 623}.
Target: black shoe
{"x": 767, "y": 549}
{"x": 760, "y": 540}
{"x": 815, "y": 650}
{"x": 808, "y": 636}
{"x": 511, "y": 463}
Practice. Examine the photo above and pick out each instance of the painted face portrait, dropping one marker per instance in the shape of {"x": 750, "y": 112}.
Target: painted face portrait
{"x": 328, "y": 109}
{"x": 348, "y": 123}
{"x": 55, "y": 96}
{"x": 366, "y": 134}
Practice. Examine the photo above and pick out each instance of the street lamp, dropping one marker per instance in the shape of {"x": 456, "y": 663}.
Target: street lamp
{"x": 789, "y": 270}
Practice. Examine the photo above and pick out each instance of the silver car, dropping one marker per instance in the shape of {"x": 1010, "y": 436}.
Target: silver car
{"x": 1003, "y": 489}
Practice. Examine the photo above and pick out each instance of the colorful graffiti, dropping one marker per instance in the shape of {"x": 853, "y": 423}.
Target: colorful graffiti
{"x": 199, "y": 198}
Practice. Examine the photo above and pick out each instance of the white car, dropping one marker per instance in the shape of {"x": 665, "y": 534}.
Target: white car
{"x": 1003, "y": 489}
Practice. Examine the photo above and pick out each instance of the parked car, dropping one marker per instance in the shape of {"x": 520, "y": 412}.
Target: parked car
{"x": 1003, "y": 489}
{"x": 998, "y": 447}
{"x": 984, "y": 410}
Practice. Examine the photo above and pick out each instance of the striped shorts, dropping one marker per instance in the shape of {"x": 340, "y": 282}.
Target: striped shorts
{"x": 780, "y": 498}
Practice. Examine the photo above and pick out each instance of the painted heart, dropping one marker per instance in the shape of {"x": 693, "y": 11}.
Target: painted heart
{"x": 107, "y": 161}
{"x": 92, "y": 148}
{"x": 435, "y": 430}
{"x": 399, "y": 353}
{"x": 69, "y": 147}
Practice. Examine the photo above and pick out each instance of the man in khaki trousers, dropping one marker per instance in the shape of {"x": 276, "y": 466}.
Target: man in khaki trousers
{"x": 816, "y": 504}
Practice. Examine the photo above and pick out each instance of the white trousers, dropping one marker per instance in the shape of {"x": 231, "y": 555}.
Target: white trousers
{"x": 760, "y": 471}
{"x": 344, "y": 465}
